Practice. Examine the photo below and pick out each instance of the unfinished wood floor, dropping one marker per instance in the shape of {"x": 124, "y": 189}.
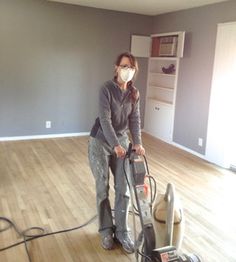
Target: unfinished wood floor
{"x": 48, "y": 183}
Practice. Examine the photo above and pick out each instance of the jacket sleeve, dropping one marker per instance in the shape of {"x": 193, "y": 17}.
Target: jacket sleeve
{"x": 105, "y": 117}
{"x": 135, "y": 124}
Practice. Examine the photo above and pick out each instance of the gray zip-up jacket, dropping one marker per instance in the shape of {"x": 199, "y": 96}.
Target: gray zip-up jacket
{"x": 117, "y": 115}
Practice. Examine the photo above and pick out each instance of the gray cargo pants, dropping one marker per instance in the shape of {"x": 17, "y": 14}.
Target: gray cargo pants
{"x": 101, "y": 157}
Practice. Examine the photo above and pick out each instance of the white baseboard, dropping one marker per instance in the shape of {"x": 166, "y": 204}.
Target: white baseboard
{"x": 189, "y": 150}
{"x": 15, "y": 138}
{"x": 180, "y": 146}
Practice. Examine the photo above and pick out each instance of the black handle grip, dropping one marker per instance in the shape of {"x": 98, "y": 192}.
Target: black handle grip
{"x": 128, "y": 153}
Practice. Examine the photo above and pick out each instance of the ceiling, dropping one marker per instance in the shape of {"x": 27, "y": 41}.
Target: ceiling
{"x": 145, "y": 7}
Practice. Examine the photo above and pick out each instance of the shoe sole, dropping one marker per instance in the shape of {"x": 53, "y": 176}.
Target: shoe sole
{"x": 126, "y": 250}
{"x": 108, "y": 248}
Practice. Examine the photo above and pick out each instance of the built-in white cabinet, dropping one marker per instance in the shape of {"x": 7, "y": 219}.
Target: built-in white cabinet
{"x": 159, "y": 119}
{"x": 163, "y": 68}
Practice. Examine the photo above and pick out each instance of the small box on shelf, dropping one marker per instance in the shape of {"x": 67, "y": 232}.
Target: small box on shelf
{"x": 167, "y": 45}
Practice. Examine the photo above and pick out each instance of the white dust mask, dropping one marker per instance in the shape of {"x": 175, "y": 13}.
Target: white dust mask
{"x": 126, "y": 74}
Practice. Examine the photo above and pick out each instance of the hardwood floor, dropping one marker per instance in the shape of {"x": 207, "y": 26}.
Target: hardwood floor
{"x": 48, "y": 183}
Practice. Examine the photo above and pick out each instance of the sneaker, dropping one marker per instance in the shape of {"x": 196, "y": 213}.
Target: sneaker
{"x": 125, "y": 240}
{"x": 107, "y": 242}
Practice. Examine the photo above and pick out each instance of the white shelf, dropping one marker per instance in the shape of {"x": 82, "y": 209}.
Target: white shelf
{"x": 162, "y": 87}
{"x": 166, "y": 34}
{"x": 163, "y": 58}
{"x": 163, "y": 102}
{"x": 162, "y": 74}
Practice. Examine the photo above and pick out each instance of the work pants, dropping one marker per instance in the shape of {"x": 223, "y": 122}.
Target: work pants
{"x": 102, "y": 158}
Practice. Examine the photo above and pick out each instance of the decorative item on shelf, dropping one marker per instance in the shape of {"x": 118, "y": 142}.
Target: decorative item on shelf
{"x": 169, "y": 70}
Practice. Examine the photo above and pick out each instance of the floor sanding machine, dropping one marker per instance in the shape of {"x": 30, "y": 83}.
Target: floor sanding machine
{"x": 161, "y": 218}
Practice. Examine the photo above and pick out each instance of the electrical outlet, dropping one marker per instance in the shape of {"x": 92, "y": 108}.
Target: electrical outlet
{"x": 200, "y": 141}
{"x": 48, "y": 124}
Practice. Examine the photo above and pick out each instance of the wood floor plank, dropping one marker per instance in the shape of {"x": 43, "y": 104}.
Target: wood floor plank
{"x": 48, "y": 183}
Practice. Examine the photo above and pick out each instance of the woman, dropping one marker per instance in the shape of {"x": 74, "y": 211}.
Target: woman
{"x": 118, "y": 114}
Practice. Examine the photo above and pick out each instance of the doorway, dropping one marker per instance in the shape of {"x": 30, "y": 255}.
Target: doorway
{"x": 221, "y": 136}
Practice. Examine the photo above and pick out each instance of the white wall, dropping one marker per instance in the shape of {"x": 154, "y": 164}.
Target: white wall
{"x": 221, "y": 136}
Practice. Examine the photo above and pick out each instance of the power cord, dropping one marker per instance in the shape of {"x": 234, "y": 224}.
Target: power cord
{"x": 144, "y": 256}
{"x": 25, "y": 234}
{"x": 27, "y": 237}
{"x": 153, "y": 193}
{"x": 152, "y": 182}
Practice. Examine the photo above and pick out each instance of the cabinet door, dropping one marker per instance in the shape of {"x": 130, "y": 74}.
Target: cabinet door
{"x": 159, "y": 120}
{"x": 150, "y": 125}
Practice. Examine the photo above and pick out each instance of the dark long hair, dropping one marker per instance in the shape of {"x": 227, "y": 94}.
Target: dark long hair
{"x": 134, "y": 94}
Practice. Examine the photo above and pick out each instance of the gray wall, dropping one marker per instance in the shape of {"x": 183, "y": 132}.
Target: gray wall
{"x": 196, "y": 68}
{"x": 53, "y": 59}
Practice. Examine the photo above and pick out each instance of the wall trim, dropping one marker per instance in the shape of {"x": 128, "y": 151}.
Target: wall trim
{"x": 189, "y": 150}
{"x": 15, "y": 138}
{"x": 179, "y": 146}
